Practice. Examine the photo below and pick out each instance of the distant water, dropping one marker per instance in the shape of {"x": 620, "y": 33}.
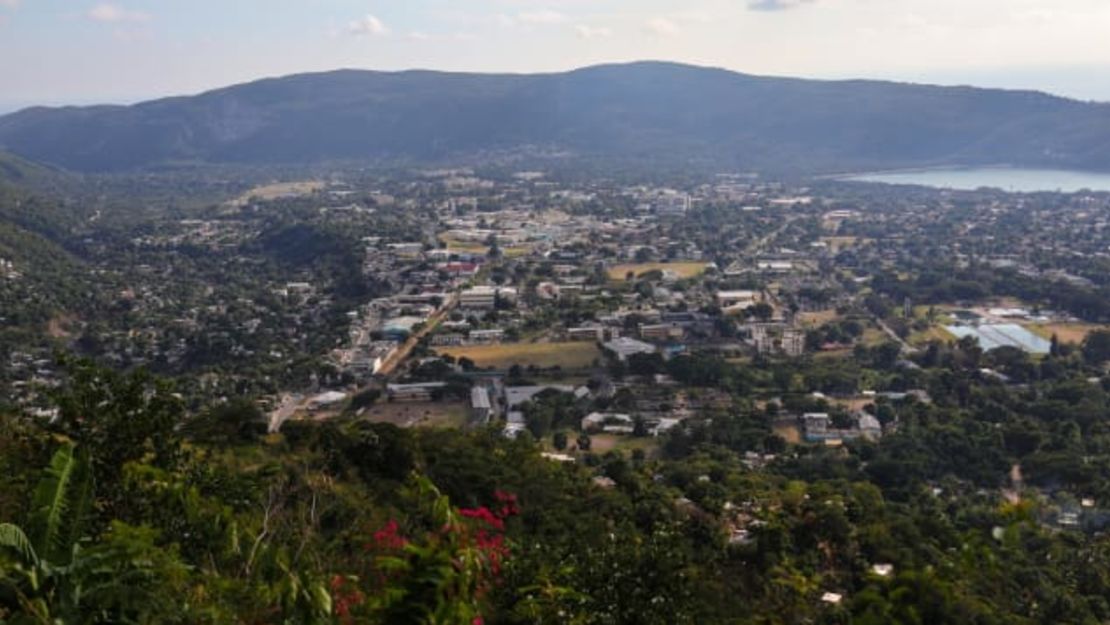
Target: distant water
{"x": 1007, "y": 179}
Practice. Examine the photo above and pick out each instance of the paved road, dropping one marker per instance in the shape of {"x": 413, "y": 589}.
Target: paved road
{"x": 906, "y": 347}
{"x": 757, "y": 246}
{"x": 402, "y": 352}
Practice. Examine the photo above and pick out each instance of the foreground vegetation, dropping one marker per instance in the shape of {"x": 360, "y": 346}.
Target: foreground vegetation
{"x": 127, "y": 509}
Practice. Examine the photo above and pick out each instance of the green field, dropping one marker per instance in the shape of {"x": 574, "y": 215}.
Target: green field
{"x": 543, "y": 355}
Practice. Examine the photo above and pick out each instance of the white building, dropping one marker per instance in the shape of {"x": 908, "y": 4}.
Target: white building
{"x": 625, "y": 347}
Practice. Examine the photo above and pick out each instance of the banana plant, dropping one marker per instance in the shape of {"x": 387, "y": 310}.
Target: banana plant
{"x": 45, "y": 550}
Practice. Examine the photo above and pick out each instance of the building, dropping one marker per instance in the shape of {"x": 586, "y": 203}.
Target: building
{"x": 775, "y": 338}
{"x": 453, "y": 338}
{"x": 774, "y": 266}
{"x": 598, "y": 421}
{"x": 515, "y": 396}
{"x": 413, "y": 392}
{"x": 662, "y": 331}
{"x": 328, "y": 399}
{"x": 480, "y": 406}
{"x": 869, "y": 427}
{"x": 406, "y": 249}
{"x": 625, "y": 347}
{"x": 586, "y": 333}
{"x": 479, "y": 297}
{"x": 487, "y": 337}
{"x": 399, "y": 328}
{"x": 815, "y": 425}
{"x": 737, "y": 299}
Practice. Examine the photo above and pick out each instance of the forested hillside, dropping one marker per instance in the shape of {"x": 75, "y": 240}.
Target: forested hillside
{"x": 643, "y": 113}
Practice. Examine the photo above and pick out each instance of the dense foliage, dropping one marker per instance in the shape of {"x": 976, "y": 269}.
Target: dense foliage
{"x": 126, "y": 509}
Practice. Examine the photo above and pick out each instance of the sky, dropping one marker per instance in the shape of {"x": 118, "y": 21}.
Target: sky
{"x": 80, "y": 52}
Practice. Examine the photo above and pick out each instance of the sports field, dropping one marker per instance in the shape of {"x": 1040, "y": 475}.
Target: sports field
{"x": 683, "y": 269}
{"x": 576, "y": 355}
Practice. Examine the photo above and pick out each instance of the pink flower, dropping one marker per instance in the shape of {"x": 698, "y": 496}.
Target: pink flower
{"x": 483, "y": 514}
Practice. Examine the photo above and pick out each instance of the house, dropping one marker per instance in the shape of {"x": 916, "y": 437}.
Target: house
{"x": 601, "y": 420}
{"x": 832, "y": 598}
{"x": 460, "y": 269}
{"x": 663, "y": 426}
{"x": 869, "y": 427}
{"x": 624, "y": 347}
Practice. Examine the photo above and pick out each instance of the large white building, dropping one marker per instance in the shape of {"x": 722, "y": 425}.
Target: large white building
{"x": 625, "y": 347}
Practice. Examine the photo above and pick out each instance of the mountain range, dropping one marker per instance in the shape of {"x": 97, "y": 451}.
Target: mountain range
{"x": 650, "y": 112}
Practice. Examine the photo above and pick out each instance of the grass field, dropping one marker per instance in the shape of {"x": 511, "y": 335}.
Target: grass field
{"x": 565, "y": 355}
{"x": 935, "y": 333}
{"x": 1065, "y": 332}
{"x": 817, "y": 319}
{"x": 873, "y": 337}
{"x": 602, "y": 443}
{"x": 429, "y": 415}
{"x": 282, "y": 189}
{"x": 684, "y": 269}
{"x": 468, "y": 247}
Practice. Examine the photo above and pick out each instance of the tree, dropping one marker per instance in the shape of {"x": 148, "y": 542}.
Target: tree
{"x": 1096, "y": 347}
{"x": 761, "y": 310}
{"x": 118, "y": 418}
{"x": 559, "y": 440}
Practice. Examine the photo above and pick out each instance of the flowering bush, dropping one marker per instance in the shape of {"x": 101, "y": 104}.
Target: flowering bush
{"x": 438, "y": 575}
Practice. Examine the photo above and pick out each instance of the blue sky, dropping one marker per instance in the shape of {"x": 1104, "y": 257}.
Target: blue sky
{"x": 73, "y": 51}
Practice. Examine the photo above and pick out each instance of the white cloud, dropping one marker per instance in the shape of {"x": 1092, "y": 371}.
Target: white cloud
{"x": 9, "y": 4}
{"x": 662, "y": 26}
{"x": 367, "y": 25}
{"x": 586, "y": 31}
{"x": 114, "y": 13}
{"x": 541, "y": 17}
{"x": 418, "y": 35}
{"x": 699, "y": 17}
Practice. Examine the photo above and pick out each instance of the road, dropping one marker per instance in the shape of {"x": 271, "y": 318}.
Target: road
{"x": 401, "y": 353}
{"x": 285, "y": 410}
{"x": 906, "y": 347}
{"x": 757, "y": 246}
